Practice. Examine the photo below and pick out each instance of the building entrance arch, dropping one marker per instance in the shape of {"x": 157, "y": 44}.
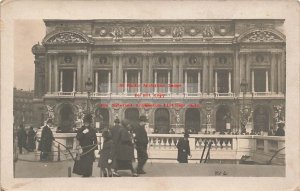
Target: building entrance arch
{"x": 222, "y": 117}
{"x": 132, "y": 114}
{"x": 261, "y": 119}
{"x": 162, "y": 121}
{"x": 66, "y": 118}
{"x": 192, "y": 120}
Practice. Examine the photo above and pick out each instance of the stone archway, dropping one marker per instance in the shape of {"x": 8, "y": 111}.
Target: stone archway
{"x": 162, "y": 121}
{"x": 132, "y": 114}
{"x": 261, "y": 119}
{"x": 66, "y": 118}
{"x": 101, "y": 119}
{"x": 223, "y": 112}
{"x": 192, "y": 120}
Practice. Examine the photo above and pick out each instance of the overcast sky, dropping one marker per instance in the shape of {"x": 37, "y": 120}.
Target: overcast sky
{"x": 26, "y": 34}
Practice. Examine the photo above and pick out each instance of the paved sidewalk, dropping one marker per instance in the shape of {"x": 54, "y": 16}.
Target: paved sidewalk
{"x": 25, "y": 169}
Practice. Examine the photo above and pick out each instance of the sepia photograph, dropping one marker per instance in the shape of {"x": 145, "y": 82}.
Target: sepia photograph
{"x": 113, "y": 100}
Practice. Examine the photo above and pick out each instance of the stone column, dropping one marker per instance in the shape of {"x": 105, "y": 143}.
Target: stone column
{"x": 210, "y": 63}
{"x": 229, "y": 82}
{"x": 273, "y": 72}
{"x": 252, "y": 82}
{"x": 185, "y": 82}
{"x": 114, "y": 73}
{"x": 169, "y": 82}
{"x": 205, "y": 74}
{"x": 199, "y": 82}
{"x": 144, "y": 71}
{"x": 150, "y": 72}
{"x": 279, "y": 69}
{"x": 109, "y": 82}
{"x": 50, "y": 74}
{"x": 96, "y": 81}
{"x": 174, "y": 69}
{"x": 125, "y": 83}
{"x": 155, "y": 82}
{"x": 90, "y": 66}
{"x": 267, "y": 81}
{"x": 55, "y": 74}
{"x": 236, "y": 73}
{"x": 120, "y": 73}
{"x": 180, "y": 72}
{"x": 79, "y": 77}
{"x": 85, "y": 71}
{"x": 139, "y": 82}
{"x": 61, "y": 81}
{"x": 74, "y": 80}
{"x": 216, "y": 82}
{"x": 248, "y": 63}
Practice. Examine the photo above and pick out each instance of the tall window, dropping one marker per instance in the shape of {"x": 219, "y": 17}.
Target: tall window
{"x": 191, "y": 81}
{"x": 102, "y": 81}
{"x": 260, "y": 80}
{"x": 67, "y": 80}
{"x": 162, "y": 78}
{"x": 223, "y": 82}
{"x": 132, "y": 79}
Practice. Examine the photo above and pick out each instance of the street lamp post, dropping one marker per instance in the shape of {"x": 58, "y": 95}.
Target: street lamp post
{"x": 244, "y": 119}
{"x": 89, "y": 88}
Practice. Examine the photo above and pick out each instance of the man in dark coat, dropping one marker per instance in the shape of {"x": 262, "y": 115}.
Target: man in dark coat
{"x": 114, "y": 132}
{"x": 22, "y": 137}
{"x": 87, "y": 138}
{"x": 280, "y": 131}
{"x": 31, "y": 139}
{"x": 183, "y": 147}
{"x": 124, "y": 148}
{"x": 46, "y": 141}
{"x": 141, "y": 142}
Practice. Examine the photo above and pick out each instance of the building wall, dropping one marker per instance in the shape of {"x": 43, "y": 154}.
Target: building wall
{"x": 251, "y": 51}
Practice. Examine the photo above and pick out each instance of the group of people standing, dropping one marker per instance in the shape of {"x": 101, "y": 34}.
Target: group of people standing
{"x": 26, "y": 139}
{"x": 117, "y": 152}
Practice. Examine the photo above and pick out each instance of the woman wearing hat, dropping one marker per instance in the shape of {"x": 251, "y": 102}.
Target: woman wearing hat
{"x": 183, "y": 147}
{"x": 87, "y": 138}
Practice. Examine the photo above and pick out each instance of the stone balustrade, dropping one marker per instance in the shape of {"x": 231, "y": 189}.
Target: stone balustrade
{"x": 162, "y": 147}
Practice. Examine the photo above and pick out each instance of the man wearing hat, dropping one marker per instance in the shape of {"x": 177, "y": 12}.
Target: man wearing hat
{"x": 141, "y": 142}
{"x": 183, "y": 147}
{"x": 115, "y": 136}
{"x": 45, "y": 144}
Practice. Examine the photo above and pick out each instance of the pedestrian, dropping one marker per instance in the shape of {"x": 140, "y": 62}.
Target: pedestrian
{"x": 114, "y": 136}
{"x": 106, "y": 155}
{"x": 22, "y": 137}
{"x": 141, "y": 142}
{"x": 31, "y": 139}
{"x": 87, "y": 138}
{"x": 280, "y": 131}
{"x": 124, "y": 148}
{"x": 183, "y": 147}
{"x": 46, "y": 141}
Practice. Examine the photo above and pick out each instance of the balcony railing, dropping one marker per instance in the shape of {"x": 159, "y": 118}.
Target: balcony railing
{"x": 162, "y": 147}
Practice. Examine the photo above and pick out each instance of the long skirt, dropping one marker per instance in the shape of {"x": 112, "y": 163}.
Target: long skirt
{"x": 86, "y": 164}
{"x": 124, "y": 165}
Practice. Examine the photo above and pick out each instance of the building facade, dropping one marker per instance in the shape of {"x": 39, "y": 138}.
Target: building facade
{"x": 23, "y": 107}
{"x": 196, "y": 75}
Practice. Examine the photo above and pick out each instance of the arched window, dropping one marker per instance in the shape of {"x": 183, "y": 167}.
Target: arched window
{"x": 66, "y": 118}
{"x": 132, "y": 114}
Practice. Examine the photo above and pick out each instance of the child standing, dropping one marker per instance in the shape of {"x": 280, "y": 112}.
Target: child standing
{"x": 106, "y": 155}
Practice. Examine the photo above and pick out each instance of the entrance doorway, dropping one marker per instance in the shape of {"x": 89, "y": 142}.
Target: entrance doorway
{"x": 162, "y": 121}
{"x": 261, "y": 119}
{"x": 222, "y": 117}
{"x": 132, "y": 114}
{"x": 101, "y": 119}
{"x": 66, "y": 118}
{"x": 192, "y": 120}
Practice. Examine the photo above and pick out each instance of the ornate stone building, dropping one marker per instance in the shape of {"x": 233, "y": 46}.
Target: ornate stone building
{"x": 23, "y": 108}
{"x": 193, "y": 74}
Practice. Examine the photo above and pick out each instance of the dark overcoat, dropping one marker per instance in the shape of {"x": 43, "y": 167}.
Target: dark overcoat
{"x": 46, "y": 139}
{"x": 280, "y": 132}
{"x": 22, "y": 136}
{"x": 31, "y": 139}
{"x": 183, "y": 147}
{"x": 87, "y": 141}
{"x": 107, "y": 152}
{"x": 124, "y": 146}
